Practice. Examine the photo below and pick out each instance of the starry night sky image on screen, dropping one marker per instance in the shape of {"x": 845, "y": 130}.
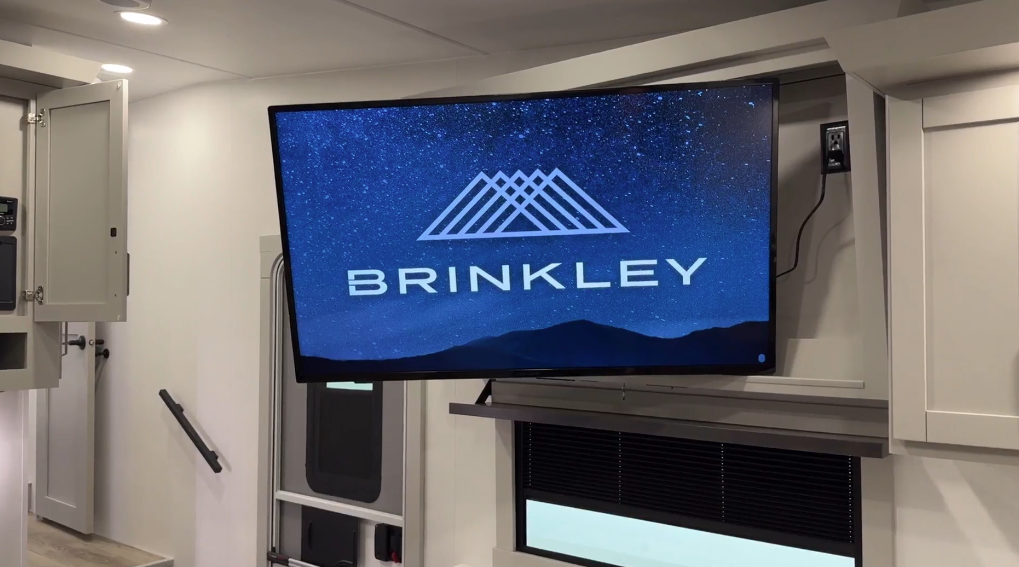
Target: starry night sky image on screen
{"x": 640, "y": 188}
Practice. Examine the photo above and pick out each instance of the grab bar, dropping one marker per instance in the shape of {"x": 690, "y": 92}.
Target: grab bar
{"x": 177, "y": 410}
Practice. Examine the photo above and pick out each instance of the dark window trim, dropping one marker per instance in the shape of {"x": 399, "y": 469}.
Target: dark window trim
{"x": 522, "y": 495}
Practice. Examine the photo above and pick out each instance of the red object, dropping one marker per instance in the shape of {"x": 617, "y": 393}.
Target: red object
{"x": 395, "y": 557}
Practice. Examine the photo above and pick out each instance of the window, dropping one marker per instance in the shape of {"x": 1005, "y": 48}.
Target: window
{"x": 609, "y": 498}
{"x": 344, "y": 451}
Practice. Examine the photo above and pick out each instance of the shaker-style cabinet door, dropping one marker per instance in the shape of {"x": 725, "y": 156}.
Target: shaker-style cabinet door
{"x": 81, "y": 262}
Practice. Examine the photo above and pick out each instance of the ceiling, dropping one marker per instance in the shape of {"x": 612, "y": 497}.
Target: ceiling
{"x": 211, "y": 40}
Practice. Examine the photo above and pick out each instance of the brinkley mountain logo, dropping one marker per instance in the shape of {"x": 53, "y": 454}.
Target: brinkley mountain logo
{"x": 507, "y": 207}
{"x": 522, "y": 205}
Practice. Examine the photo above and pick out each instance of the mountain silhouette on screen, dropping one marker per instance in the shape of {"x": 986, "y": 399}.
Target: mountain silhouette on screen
{"x": 576, "y": 344}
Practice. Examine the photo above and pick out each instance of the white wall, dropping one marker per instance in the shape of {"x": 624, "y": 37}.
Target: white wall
{"x": 147, "y": 473}
{"x": 13, "y": 483}
{"x": 950, "y": 512}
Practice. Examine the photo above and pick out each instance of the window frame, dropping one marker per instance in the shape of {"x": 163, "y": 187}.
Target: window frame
{"x": 357, "y": 489}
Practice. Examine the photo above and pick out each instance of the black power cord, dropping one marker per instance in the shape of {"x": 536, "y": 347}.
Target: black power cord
{"x": 799, "y": 235}
{"x": 100, "y": 367}
{"x": 102, "y": 356}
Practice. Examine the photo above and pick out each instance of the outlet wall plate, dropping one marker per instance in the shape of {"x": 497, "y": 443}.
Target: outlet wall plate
{"x": 835, "y": 154}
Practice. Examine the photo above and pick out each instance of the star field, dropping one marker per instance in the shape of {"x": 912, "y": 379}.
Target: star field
{"x": 688, "y": 173}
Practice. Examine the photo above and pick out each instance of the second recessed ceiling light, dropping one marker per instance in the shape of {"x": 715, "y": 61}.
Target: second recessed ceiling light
{"x": 142, "y": 18}
{"x": 118, "y": 69}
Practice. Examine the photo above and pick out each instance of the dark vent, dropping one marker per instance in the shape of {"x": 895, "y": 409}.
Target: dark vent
{"x": 803, "y": 499}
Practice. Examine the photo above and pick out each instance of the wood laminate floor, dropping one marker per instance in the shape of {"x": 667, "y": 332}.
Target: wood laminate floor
{"x": 52, "y": 545}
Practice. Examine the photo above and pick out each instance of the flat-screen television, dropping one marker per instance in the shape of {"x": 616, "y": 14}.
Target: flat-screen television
{"x": 581, "y": 233}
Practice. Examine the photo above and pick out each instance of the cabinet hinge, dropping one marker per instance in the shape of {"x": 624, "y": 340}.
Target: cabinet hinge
{"x": 37, "y": 295}
{"x": 38, "y": 118}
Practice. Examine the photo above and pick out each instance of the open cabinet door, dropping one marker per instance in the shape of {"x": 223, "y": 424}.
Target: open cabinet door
{"x": 81, "y": 265}
{"x": 65, "y": 436}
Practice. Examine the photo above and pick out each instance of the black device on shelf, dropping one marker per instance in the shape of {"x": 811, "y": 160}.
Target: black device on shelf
{"x": 328, "y": 539}
{"x": 8, "y": 273}
{"x": 388, "y": 543}
{"x": 8, "y": 214}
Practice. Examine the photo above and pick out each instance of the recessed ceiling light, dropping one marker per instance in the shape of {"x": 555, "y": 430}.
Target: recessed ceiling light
{"x": 142, "y": 18}
{"x": 118, "y": 69}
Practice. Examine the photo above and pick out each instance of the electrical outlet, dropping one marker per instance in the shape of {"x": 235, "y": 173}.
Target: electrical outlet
{"x": 835, "y": 147}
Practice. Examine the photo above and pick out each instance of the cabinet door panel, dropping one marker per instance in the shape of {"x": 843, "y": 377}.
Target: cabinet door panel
{"x": 954, "y": 269}
{"x": 81, "y": 204}
{"x": 972, "y": 188}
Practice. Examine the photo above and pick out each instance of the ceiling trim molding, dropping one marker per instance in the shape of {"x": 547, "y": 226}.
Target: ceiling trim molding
{"x": 139, "y": 50}
{"x": 971, "y": 39}
{"x": 43, "y": 67}
{"x": 409, "y": 26}
{"x": 777, "y": 32}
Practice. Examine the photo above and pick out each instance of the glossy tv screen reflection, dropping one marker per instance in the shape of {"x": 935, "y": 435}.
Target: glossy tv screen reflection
{"x": 625, "y": 231}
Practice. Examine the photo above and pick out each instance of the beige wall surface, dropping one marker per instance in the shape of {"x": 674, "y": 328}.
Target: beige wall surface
{"x": 13, "y": 482}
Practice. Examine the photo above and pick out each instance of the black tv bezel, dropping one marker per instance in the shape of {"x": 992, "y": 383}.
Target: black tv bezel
{"x": 767, "y": 367}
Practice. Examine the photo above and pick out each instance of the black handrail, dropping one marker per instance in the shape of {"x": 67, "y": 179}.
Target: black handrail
{"x": 177, "y": 410}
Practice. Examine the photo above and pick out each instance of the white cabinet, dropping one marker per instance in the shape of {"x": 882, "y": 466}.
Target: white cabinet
{"x": 71, "y": 184}
{"x": 954, "y": 268}
{"x": 81, "y": 204}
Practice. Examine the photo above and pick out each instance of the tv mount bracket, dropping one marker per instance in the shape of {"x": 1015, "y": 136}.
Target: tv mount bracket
{"x": 485, "y": 394}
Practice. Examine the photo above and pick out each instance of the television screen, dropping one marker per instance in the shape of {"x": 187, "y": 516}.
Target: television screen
{"x": 624, "y": 231}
